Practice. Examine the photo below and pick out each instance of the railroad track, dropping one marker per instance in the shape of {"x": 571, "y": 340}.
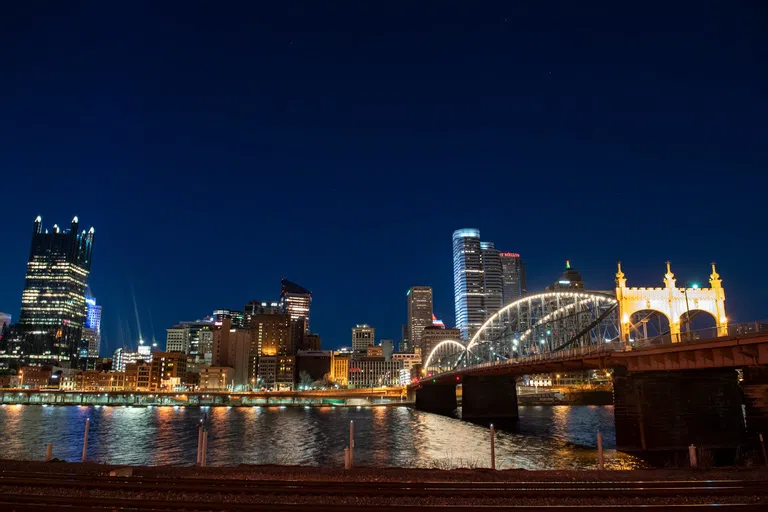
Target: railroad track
{"x": 71, "y": 504}
{"x": 98, "y": 493}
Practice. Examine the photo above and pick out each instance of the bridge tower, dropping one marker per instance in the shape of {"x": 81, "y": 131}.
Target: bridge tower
{"x": 671, "y": 302}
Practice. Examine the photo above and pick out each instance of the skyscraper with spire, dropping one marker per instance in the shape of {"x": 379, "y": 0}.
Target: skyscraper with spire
{"x": 53, "y": 307}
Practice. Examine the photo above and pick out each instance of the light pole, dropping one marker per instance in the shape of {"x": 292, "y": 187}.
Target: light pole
{"x": 688, "y": 310}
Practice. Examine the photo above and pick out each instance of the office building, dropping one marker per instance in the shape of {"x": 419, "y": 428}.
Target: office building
{"x": 371, "y": 372}
{"x": 492, "y": 278}
{"x": 408, "y": 359}
{"x": 295, "y": 301}
{"x": 468, "y": 283}
{"x": 571, "y": 279}
{"x": 362, "y": 336}
{"x": 375, "y": 351}
{"x": 53, "y": 309}
{"x": 266, "y": 372}
{"x": 168, "y": 371}
{"x": 340, "y": 369}
{"x": 185, "y": 337}
{"x": 285, "y": 373}
{"x": 404, "y": 345}
{"x": 232, "y": 348}
{"x": 93, "y": 323}
{"x": 215, "y": 378}
{"x": 478, "y": 282}
{"x": 237, "y": 318}
{"x": 311, "y": 342}
{"x": 419, "y": 312}
{"x": 35, "y": 377}
{"x": 137, "y": 376}
{"x": 512, "y": 276}
{"x": 434, "y": 335}
{"x": 260, "y": 307}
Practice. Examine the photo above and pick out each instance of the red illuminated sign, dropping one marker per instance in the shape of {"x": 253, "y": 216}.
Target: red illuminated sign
{"x": 509, "y": 255}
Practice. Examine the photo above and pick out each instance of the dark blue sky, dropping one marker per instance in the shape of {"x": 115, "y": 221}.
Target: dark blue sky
{"x": 219, "y": 147}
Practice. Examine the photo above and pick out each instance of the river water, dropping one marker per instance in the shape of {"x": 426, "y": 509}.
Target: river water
{"x": 551, "y": 437}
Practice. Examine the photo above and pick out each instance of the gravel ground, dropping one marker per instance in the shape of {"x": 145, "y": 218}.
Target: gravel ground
{"x": 288, "y": 473}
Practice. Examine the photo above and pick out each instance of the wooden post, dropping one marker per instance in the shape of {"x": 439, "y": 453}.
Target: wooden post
{"x": 692, "y": 456}
{"x": 346, "y": 459}
{"x": 600, "y": 464}
{"x": 199, "y": 441}
{"x": 493, "y": 447}
{"x": 351, "y": 444}
{"x": 85, "y": 438}
{"x": 762, "y": 446}
{"x": 204, "y": 456}
{"x": 49, "y": 452}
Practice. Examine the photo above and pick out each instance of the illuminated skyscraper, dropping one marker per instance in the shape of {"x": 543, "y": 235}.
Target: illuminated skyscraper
{"x": 492, "y": 278}
{"x": 92, "y": 328}
{"x": 53, "y": 308}
{"x": 513, "y": 276}
{"x": 468, "y": 284}
{"x": 295, "y": 301}
{"x": 419, "y": 312}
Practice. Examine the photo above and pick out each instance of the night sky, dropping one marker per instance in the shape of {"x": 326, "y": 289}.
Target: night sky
{"x": 219, "y": 147}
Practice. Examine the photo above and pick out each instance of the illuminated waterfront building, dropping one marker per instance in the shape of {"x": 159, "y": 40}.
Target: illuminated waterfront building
{"x": 295, "y": 301}
{"x": 419, "y": 312}
{"x": 53, "y": 308}
{"x": 370, "y": 372}
{"x": 340, "y": 369}
{"x": 231, "y": 348}
{"x": 168, "y": 371}
{"x": 362, "y": 336}
{"x": 137, "y": 376}
{"x": 513, "y": 276}
{"x": 408, "y": 359}
{"x": 215, "y": 378}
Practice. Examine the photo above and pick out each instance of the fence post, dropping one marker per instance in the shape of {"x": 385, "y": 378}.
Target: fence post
{"x": 346, "y": 459}
{"x": 692, "y": 456}
{"x": 351, "y": 443}
{"x": 85, "y": 437}
{"x": 493, "y": 447}
{"x": 600, "y": 464}
{"x": 199, "y": 441}
{"x": 762, "y": 446}
{"x": 49, "y": 452}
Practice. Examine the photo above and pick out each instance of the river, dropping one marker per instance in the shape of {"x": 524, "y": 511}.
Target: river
{"x": 545, "y": 437}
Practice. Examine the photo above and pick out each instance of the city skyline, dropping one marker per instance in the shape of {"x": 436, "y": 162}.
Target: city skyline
{"x": 362, "y": 145}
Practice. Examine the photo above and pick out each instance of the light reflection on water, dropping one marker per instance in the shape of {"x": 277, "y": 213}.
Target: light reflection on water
{"x": 559, "y": 437}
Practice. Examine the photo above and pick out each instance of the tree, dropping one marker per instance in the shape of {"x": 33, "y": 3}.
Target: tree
{"x": 305, "y": 379}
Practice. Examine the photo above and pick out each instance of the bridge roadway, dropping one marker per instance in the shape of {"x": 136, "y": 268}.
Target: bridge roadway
{"x": 197, "y": 398}
{"x": 666, "y": 397}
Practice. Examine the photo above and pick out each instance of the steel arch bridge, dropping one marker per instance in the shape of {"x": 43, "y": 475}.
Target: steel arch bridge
{"x": 534, "y": 325}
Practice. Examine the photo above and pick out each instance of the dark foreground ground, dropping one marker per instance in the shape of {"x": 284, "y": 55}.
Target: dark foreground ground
{"x": 59, "y": 486}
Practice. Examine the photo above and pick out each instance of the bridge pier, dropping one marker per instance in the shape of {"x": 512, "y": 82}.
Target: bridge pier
{"x": 490, "y": 398}
{"x": 755, "y": 387}
{"x": 668, "y": 411}
{"x": 437, "y": 398}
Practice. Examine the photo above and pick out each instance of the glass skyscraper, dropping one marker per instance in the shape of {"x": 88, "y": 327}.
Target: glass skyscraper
{"x": 513, "y": 276}
{"x": 468, "y": 283}
{"x": 53, "y": 308}
{"x": 419, "y": 313}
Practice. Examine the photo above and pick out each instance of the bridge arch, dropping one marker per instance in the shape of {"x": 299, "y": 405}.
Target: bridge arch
{"x": 439, "y": 346}
{"x": 572, "y": 300}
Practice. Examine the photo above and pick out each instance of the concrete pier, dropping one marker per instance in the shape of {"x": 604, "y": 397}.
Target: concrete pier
{"x": 437, "y": 398}
{"x": 670, "y": 410}
{"x": 489, "y": 398}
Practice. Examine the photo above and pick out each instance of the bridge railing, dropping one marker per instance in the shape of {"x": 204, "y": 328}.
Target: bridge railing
{"x": 706, "y": 334}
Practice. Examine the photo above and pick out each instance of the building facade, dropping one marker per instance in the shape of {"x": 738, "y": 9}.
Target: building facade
{"x": 340, "y": 369}
{"x": 362, "y": 336}
{"x": 93, "y": 324}
{"x": 317, "y": 364}
{"x": 215, "y": 378}
{"x": 372, "y": 372}
{"x": 53, "y": 308}
{"x": 295, "y": 302}
{"x": 168, "y": 371}
{"x": 419, "y": 312}
{"x": 493, "y": 297}
{"x": 434, "y": 335}
{"x": 513, "y": 276}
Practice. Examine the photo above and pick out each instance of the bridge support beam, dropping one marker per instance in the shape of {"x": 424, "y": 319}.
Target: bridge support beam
{"x": 755, "y": 387}
{"x": 489, "y": 399}
{"x": 668, "y": 411}
{"x": 437, "y": 398}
